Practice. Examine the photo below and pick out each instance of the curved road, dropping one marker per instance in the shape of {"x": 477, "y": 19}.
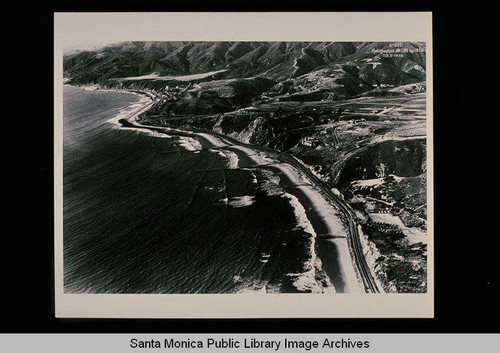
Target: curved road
{"x": 359, "y": 259}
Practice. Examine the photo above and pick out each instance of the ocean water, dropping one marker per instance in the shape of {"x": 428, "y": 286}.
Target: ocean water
{"x": 148, "y": 212}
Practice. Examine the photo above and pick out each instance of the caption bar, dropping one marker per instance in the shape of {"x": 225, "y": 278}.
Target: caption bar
{"x": 133, "y": 343}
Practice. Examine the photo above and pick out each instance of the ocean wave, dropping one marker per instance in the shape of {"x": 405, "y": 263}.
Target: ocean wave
{"x": 241, "y": 201}
{"x": 131, "y": 110}
{"x": 233, "y": 159}
{"x": 254, "y": 177}
{"x": 215, "y": 141}
{"x": 257, "y": 157}
{"x": 219, "y": 152}
{"x": 190, "y": 144}
{"x": 312, "y": 280}
{"x": 223, "y": 201}
{"x": 269, "y": 183}
{"x": 300, "y": 214}
{"x": 150, "y": 132}
{"x": 254, "y": 286}
{"x": 329, "y": 213}
{"x": 307, "y": 281}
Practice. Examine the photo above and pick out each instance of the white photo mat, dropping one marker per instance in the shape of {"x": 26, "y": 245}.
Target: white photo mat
{"x": 72, "y": 30}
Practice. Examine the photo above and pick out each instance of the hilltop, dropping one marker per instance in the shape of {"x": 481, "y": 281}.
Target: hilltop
{"x": 353, "y": 112}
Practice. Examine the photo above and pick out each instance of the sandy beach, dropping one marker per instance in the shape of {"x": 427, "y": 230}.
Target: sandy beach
{"x": 325, "y": 220}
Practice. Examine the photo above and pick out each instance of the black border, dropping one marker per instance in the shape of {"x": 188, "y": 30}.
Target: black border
{"x": 465, "y": 283}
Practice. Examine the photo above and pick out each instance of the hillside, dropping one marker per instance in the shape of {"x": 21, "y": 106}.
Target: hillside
{"x": 335, "y": 68}
{"x": 354, "y": 113}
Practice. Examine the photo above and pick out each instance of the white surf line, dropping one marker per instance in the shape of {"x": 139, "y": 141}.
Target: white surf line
{"x": 216, "y": 141}
{"x": 306, "y": 280}
{"x": 322, "y": 207}
{"x": 189, "y": 144}
{"x": 325, "y": 210}
{"x": 241, "y": 201}
{"x": 258, "y": 158}
{"x": 132, "y": 112}
{"x": 332, "y": 219}
{"x": 232, "y": 159}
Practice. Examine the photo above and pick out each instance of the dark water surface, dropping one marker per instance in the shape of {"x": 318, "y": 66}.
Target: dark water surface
{"x": 142, "y": 214}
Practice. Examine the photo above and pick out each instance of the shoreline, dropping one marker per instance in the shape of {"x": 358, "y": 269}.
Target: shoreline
{"x": 129, "y": 113}
{"x": 347, "y": 263}
{"x": 351, "y": 277}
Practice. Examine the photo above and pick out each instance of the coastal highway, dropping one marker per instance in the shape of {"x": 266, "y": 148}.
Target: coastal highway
{"x": 354, "y": 237}
{"x": 370, "y": 285}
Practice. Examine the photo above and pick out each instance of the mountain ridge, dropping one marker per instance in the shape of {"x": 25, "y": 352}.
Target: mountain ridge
{"x": 277, "y": 61}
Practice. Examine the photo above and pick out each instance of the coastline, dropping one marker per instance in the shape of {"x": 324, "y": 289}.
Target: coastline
{"x": 311, "y": 196}
{"x": 310, "y": 199}
{"x": 129, "y": 113}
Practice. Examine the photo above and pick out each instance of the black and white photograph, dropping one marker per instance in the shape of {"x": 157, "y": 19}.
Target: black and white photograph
{"x": 245, "y": 169}
{"x": 241, "y": 177}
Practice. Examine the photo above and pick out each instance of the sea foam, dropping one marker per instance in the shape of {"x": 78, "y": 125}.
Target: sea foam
{"x": 241, "y": 201}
